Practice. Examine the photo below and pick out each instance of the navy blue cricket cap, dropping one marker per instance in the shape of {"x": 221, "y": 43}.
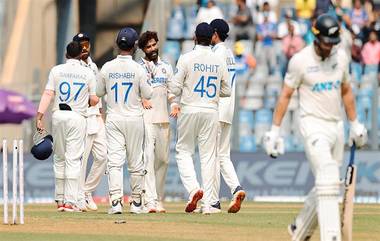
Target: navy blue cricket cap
{"x": 204, "y": 30}
{"x": 221, "y": 27}
{"x": 126, "y": 38}
{"x": 81, "y": 37}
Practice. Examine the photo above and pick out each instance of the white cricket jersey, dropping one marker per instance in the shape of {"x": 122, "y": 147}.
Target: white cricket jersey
{"x": 319, "y": 82}
{"x": 227, "y": 104}
{"x": 92, "y": 110}
{"x": 163, "y": 72}
{"x": 125, "y": 82}
{"x": 72, "y": 84}
{"x": 201, "y": 77}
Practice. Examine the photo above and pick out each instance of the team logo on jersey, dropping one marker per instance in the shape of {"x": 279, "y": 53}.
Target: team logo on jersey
{"x": 159, "y": 80}
{"x": 326, "y": 86}
{"x": 163, "y": 70}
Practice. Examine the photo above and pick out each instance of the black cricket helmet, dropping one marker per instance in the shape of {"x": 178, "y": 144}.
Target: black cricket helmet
{"x": 43, "y": 145}
{"x": 326, "y": 29}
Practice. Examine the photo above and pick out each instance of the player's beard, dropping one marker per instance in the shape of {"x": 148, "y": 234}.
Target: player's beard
{"x": 85, "y": 56}
{"x": 152, "y": 56}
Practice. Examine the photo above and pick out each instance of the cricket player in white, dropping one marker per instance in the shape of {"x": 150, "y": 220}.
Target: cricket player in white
{"x": 125, "y": 82}
{"x": 73, "y": 87}
{"x": 156, "y": 119}
{"x": 96, "y": 138}
{"x": 226, "y": 113}
{"x": 201, "y": 77}
{"x": 320, "y": 74}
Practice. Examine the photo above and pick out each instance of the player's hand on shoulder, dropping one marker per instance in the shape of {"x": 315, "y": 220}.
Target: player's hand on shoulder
{"x": 273, "y": 144}
{"x": 358, "y": 134}
{"x": 175, "y": 109}
{"x": 146, "y": 104}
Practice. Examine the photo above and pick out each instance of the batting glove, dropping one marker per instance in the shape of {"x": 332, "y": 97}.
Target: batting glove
{"x": 358, "y": 134}
{"x": 272, "y": 142}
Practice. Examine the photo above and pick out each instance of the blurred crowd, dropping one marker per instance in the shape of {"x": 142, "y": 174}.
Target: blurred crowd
{"x": 264, "y": 35}
{"x": 264, "y": 21}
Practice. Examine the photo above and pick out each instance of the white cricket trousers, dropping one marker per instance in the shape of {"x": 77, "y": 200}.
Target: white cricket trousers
{"x": 157, "y": 160}
{"x": 197, "y": 128}
{"x": 324, "y": 147}
{"x": 69, "y": 132}
{"x": 125, "y": 140}
{"x": 97, "y": 145}
{"x": 224, "y": 164}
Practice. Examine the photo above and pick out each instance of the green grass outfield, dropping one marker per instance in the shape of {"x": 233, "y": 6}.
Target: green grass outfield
{"x": 256, "y": 222}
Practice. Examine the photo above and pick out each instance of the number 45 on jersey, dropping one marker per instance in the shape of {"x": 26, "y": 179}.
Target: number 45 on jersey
{"x": 207, "y": 88}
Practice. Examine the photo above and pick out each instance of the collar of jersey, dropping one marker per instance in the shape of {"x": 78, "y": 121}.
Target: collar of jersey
{"x": 74, "y": 61}
{"x": 201, "y": 47}
{"x": 218, "y": 44}
{"x": 89, "y": 60}
{"x": 319, "y": 58}
{"x": 124, "y": 56}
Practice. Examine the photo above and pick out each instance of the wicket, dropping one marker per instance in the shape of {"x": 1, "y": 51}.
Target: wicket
{"x": 18, "y": 171}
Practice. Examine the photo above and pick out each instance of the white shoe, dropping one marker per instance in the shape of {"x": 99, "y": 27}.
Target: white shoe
{"x": 90, "y": 204}
{"x": 214, "y": 210}
{"x": 81, "y": 204}
{"x": 160, "y": 207}
{"x": 116, "y": 207}
{"x": 198, "y": 210}
{"x": 136, "y": 208}
{"x": 150, "y": 208}
{"x": 209, "y": 210}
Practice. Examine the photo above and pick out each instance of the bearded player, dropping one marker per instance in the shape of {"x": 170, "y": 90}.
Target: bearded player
{"x": 156, "y": 119}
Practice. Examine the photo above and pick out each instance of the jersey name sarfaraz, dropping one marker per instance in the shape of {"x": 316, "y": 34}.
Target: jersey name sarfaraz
{"x": 72, "y": 76}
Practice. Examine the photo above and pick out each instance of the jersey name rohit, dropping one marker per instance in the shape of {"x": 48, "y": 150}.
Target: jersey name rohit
{"x": 213, "y": 68}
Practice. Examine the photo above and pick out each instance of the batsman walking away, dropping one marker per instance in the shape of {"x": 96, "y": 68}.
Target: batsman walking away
{"x": 319, "y": 73}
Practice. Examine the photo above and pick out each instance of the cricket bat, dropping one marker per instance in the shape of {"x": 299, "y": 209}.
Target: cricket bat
{"x": 348, "y": 199}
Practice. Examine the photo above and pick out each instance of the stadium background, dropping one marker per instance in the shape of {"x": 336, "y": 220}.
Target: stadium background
{"x": 34, "y": 33}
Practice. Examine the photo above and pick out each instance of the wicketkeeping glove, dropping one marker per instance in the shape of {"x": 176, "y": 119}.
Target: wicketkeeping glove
{"x": 272, "y": 142}
{"x": 358, "y": 134}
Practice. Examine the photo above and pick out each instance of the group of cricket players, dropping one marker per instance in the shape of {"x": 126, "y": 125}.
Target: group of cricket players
{"x": 141, "y": 96}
